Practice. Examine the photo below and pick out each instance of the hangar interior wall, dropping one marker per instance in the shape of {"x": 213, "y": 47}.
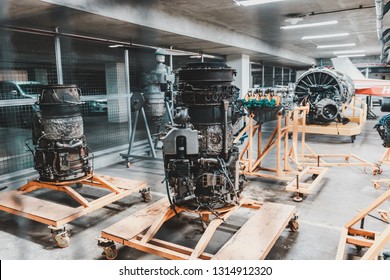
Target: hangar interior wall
{"x": 97, "y": 70}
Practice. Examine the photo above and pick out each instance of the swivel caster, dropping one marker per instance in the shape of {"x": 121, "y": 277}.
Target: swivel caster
{"x": 146, "y": 194}
{"x": 376, "y": 171}
{"x": 109, "y": 249}
{"x": 61, "y": 236}
{"x": 110, "y": 252}
{"x": 293, "y": 224}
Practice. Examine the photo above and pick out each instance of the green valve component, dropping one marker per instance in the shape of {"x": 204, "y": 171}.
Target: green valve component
{"x": 253, "y": 103}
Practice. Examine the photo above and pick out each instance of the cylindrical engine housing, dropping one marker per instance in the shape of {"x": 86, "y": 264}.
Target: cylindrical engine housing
{"x": 61, "y": 152}
{"x": 383, "y": 128}
{"x": 199, "y": 155}
{"x": 326, "y": 91}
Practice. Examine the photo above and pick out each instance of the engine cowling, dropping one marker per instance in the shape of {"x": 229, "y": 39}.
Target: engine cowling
{"x": 326, "y": 91}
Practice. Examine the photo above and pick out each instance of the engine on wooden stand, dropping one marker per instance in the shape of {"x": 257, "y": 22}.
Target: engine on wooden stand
{"x": 200, "y": 158}
{"x": 326, "y": 91}
{"x": 61, "y": 152}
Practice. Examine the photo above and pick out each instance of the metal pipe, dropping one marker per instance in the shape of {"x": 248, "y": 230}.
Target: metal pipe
{"x": 225, "y": 107}
{"x": 379, "y": 17}
{"x": 379, "y": 24}
{"x": 128, "y": 92}
{"x": 57, "y": 47}
{"x": 148, "y": 133}
{"x": 83, "y": 37}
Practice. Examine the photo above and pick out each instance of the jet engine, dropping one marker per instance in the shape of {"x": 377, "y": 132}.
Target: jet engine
{"x": 200, "y": 158}
{"x": 383, "y": 128}
{"x": 326, "y": 91}
{"x": 159, "y": 83}
{"x": 61, "y": 152}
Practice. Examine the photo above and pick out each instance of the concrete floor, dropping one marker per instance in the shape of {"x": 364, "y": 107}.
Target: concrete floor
{"x": 340, "y": 194}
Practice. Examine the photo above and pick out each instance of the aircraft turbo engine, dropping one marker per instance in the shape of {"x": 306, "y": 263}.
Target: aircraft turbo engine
{"x": 61, "y": 152}
{"x": 325, "y": 91}
{"x": 383, "y": 128}
{"x": 200, "y": 158}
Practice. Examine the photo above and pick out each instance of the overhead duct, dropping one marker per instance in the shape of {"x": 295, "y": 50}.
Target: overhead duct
{"x": 381, "y": 10}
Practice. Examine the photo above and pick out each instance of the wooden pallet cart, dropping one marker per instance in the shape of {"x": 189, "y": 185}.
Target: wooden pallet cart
{"x": 253, "y": 240}
{"x": 373, "y": 241}
{"x": 56, "y": 215}
{"x": 287, "y": 164}
{"x": 308, "y": 157}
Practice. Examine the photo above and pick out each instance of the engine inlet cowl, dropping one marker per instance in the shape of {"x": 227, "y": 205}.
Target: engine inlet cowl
{"x": 326, "y": 91}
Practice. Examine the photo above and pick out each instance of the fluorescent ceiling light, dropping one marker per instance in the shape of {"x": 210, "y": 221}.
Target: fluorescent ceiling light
{"x": 115, "y": 46}
{"x": 336, "y": 46}
{"x": 343, "y": 52}
{"x": 293, "y": 20}
{"x": 310, "y": 24}
{"x": 255, "y": 2}
{"x": 352, "y": 55}
{"x": 325, "y": 36}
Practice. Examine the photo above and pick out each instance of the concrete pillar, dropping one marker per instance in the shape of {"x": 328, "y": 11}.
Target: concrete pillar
{"x": 241, "y": 64}
{"x": 116, "y": 85}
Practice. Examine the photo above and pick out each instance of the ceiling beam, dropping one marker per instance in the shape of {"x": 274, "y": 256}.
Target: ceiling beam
{"x": 148, "y": 15}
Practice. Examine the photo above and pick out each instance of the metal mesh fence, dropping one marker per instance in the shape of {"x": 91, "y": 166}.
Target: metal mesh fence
{"x": 28, "y": 61}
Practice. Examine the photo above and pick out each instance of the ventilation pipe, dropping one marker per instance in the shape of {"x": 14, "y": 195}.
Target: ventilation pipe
{"x": 379, "y": 24}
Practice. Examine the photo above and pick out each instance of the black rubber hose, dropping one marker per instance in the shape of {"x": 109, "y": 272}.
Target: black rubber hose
{"x": 168, "y": 194}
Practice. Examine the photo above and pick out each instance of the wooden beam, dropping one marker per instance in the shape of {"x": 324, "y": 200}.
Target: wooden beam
{"x": 368, "y": 209}
{"x": 342, "y": 244}
{"x": 378, "y": 245}
{"x": 209, "y": 232}
{"x": 76, "y": 196}
{"x": 159, "y": 221}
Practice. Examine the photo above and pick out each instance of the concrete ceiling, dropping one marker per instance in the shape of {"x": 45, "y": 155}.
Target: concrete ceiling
{"x": 217, "y": 27}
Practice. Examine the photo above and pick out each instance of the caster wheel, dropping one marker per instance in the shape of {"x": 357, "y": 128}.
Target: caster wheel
{"x": 128, "y": 164}
{"x": 62, "y": 240}
{"x": 79, "y": 185}
{"x": 314, "y": 176}
{"x": 110, "y": 252}
{"x": 146, "y": 195}
{"x": 293, "y": 225}
{"x": 377, "y": 171}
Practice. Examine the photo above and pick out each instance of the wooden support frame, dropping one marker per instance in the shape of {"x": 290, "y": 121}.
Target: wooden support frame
{"x": 55, "y": 214}
{"x": 253, "y": 240}
{"x": 355, "y": 111}
{"x": 363, "y": 238}
{"x": 287, "y": 163}
{"x": 307, "y": 157}
{"x": 385, "y": 160}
